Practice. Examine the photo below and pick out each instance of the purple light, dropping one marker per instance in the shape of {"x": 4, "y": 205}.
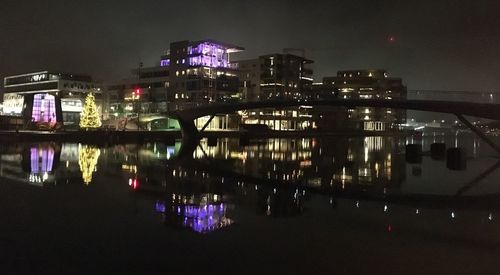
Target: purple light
{"x": 34, "y": 160}
{"x": 165, "y": 63}
{"x": 199, "y": 218}
{"x": 209, "y": 55}
{"x": 44, "y": 108}
{"x": 160, "y": 206}
{"x": 42, "y": 159}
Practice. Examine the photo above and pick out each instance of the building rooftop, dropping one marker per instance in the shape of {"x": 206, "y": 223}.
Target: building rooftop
{"x": 230, "y": 47}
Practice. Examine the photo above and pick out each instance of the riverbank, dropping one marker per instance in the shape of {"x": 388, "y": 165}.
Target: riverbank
{"x": 102, "y": 136}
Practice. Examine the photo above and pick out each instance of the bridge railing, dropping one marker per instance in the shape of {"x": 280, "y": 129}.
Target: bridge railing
{"x": 463, "y": 96}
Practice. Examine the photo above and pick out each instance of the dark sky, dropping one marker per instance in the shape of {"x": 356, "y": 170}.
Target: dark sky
{"x": 448, "y": 44}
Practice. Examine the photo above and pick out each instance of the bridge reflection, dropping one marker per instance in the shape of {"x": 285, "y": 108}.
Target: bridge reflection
{"x": 276, "y": 177}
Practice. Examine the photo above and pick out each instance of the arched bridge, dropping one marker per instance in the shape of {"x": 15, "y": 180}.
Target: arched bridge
{"x": 490, "y": 111}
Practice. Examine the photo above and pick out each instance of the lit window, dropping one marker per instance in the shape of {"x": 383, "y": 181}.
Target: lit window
{"x": 177, "y": 73}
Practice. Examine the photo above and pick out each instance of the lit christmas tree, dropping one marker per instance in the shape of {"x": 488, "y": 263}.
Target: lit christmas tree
{"x": 89, "y": 118}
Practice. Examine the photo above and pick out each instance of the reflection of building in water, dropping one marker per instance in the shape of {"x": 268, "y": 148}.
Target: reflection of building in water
{"x": 371, "y": 161}
{"x": 203, "y": 213}
{"x": 34, "y": 164}
{"x": 280, "y": 159}
{"x": 280, "y": 202}
{"x": 40, "y": 161}
{"x": 88, "y": 157}
{"x": 321, "y": 163}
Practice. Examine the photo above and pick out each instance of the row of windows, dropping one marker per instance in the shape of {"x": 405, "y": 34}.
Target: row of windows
{"x": 80, "y": 86}
{"x": 33, "y": 87}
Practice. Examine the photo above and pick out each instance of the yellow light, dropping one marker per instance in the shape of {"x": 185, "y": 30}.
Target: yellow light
{"x": 87, "y": 159}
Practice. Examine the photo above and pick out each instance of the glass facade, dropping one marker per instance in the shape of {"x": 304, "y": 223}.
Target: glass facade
{"x": 44, "y": 108}
{"x": 209, "y": 55}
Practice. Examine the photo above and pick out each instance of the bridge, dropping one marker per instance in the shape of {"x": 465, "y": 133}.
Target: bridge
{"x": 460, "y": 109}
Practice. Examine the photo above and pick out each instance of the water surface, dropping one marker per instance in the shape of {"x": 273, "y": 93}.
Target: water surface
{"x": 322, "y": 205}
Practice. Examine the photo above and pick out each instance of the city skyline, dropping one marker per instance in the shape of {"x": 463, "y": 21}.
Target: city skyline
{"x": 416, "y": 42}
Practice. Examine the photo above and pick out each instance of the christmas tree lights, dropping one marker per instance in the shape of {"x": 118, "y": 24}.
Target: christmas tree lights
{"x": 89, "y": 118}
{"x": 87, "y": 159}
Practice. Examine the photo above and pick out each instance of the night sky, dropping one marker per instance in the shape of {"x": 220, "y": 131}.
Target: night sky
{"x": 446, "y": 45}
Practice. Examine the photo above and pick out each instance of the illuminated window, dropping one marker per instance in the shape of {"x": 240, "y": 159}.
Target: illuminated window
{"x": 44, "y": 108}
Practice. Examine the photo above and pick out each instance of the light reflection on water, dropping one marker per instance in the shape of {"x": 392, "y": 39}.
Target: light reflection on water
{"x": 277, "y": 177}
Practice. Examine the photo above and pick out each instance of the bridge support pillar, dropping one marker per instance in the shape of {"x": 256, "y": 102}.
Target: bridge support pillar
{"x": 190, "y": 137}
{"x": 478, "y": 132}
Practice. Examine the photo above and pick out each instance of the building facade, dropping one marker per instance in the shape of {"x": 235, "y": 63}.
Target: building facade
{"x": 193, "y": 73}
{"x": 201, "y": 72}
{"x": 367, "y": 84}
{"x": 144, "y": 92}
{"x": 190, "y": 73}
{"x": 47, "y": 97}
{"x": 274, "y": 77}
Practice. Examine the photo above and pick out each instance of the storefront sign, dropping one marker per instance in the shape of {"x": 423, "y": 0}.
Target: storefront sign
{"x": 13, "y": 104}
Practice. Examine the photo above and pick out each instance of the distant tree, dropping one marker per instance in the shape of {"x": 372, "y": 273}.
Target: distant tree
{"x": 89, "y": 118}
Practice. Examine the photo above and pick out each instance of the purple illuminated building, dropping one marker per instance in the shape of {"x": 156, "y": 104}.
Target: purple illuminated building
{"x": 190, "y": 73}
{"x": 201, "y": 72}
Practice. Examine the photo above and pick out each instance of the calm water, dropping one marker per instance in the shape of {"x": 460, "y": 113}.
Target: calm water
{"x": 322, "y": 205}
